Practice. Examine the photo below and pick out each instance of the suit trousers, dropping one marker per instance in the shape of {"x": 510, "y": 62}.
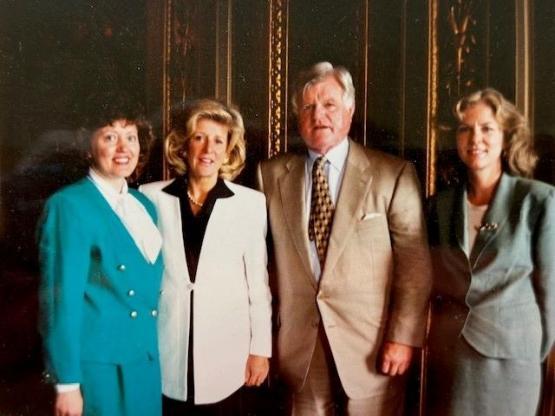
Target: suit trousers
{"x": 323, "y": 395}
{"x": 131, "y": 389}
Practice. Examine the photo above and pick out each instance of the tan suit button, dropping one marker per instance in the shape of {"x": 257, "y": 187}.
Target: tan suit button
{"x": 154, "y": 313}
{"x": 121, "y": 267}
{"x": 133, "y": 314}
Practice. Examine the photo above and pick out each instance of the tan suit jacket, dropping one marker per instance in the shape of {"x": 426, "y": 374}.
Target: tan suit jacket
{"x": 376, "y": 280}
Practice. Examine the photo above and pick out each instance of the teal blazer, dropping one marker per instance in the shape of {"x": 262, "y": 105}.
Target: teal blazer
{"x": 98, "y": 295}
{"x": 501, "y": 296}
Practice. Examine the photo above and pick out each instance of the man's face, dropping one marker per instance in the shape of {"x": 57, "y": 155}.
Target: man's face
{"x": 324, "y": 119}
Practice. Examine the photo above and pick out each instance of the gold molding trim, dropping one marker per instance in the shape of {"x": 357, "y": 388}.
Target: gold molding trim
{"x": 166, "y": 79}
{"x": 365, "y": 32}
{"x": 278, "y": 63}
{"x": 431, "y": 157}
{"x": 461, "y": 21}
{"x": 523, "y": 59}
{"x": 432, "y": 97}
{"x": 224, "y": 41}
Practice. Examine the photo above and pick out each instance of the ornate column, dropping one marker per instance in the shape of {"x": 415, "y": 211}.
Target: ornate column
{"x": 278, "y": 79}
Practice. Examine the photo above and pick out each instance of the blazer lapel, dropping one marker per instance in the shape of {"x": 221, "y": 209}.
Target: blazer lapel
{"x": 112, "y": 220}
{"x": 458, "y": 221}
{"x": 354, "y": 187}
{"x": 173, "y": 238}
{"x": 494, "y": 219}
{"x": 292, "y": 191}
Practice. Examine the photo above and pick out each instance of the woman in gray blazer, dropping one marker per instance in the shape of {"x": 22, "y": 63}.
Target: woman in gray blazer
{"x": 493, "y": 248}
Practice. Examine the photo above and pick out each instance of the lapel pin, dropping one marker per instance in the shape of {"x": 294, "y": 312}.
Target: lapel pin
{"x": 488, "y": 226}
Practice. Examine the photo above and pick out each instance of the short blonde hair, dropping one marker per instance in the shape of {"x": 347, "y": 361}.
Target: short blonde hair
{"x": 317, "y": 73}
{"x": 185, "y": 124}
{"x": 518, "y": 157}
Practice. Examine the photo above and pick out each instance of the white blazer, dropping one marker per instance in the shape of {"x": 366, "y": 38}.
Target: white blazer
{"x": 232, "y": 301}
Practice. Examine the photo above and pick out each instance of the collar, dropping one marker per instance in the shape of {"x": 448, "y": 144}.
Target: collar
{"x": 105, "y": 187}
{"x": 336, "y": 156}
{"x": 178, "y": 188}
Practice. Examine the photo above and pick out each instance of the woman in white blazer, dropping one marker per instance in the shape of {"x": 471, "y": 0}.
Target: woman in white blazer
{"x": 215, "y": 313}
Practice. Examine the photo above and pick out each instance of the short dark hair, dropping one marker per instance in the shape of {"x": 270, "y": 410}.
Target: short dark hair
{"x": 106, "y": 108}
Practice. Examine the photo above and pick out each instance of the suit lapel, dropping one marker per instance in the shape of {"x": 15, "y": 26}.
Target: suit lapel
{"x": 292, "y": 192}
{"x": 174, "y": 237}
{"x": 494, "y": 219}
{"x": 112, "y": 220}
{"x": 459, "y": 220}
{"x": 354, "y": 187}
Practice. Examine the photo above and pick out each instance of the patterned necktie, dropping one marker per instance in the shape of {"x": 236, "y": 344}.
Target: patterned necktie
{"x": 321, "y": 210}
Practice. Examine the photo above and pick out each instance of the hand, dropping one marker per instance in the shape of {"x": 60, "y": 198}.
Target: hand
{"x": 395, "y": 358}
{"x": 69, "y": 403}
{"x": 256, "y": 370}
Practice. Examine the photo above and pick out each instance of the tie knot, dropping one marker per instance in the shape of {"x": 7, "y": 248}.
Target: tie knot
{"x": 319, "y": 164}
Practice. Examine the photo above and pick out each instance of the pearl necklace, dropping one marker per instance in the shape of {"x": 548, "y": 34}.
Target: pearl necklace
{"x": 193, "y": 200}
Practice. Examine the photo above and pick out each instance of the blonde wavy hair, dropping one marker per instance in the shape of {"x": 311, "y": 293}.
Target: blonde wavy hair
{"x": 185, "y": 125}
{"x": 518, "y": 157}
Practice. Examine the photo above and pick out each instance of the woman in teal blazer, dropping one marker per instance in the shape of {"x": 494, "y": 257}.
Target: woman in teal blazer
{"x": 493, "y": 247}
{"x": 101, "y": 271}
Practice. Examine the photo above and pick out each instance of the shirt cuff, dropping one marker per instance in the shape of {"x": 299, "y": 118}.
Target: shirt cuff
{"x": 65, "y": 388}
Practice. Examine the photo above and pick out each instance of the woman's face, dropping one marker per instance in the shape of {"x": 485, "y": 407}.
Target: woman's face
{"x": 480, "y": 139}
{"x": 207, "y": 149}
{"x": 115, "y": 150}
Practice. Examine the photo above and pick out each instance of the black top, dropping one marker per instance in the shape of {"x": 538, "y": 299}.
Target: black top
{"x": 193, "y": 230}
{"x": 194, "y": 226}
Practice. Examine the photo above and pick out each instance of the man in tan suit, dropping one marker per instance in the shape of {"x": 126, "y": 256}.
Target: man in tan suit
{"x": 350, "y": 308}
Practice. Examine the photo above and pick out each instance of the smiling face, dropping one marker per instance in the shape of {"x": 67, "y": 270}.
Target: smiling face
{"x": 480, "y": 140}
{"x": 207, "y": 150}
{"x": 115, "y": 150}
{"x": 324, "y": 118}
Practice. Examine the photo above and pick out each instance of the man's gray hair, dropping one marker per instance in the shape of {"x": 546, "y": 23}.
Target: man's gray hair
{"x": 317, "y": 73}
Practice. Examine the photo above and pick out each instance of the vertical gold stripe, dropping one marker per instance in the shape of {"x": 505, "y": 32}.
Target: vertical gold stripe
{"x": 285, "y": 74}
{"x": 166, "y": 78}
{"x": 366, "y": 32}
{"x": 278, "y": 62}
{"x": 403, "y": 103}
{"x": 432, "y": 96}
{"x": 223, "y": 51}
{"x": 431, "y": 147}
{"x": 229, "y": 51}
{"x": 523, "y": 55}
{"x": 269, "y": 69}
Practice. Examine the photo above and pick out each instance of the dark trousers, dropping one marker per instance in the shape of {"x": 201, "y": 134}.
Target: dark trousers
{"x": 230, "y": 406}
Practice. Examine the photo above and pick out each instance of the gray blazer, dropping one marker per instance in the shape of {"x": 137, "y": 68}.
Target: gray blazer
{"x": 501, "y": 297}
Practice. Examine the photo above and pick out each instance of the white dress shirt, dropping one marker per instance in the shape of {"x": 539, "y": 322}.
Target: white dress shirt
{"x": 334, "y": 169}
{"x": 133, "y": 215}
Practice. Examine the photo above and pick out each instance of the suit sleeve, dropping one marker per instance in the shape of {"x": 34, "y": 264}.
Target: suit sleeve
{"x": 544, "y": 273}
{"x": 64, "y": 252}
{"x": 255, "y": 259}
{"x": 259, "y": 181}
{"x": 412, "y": 281}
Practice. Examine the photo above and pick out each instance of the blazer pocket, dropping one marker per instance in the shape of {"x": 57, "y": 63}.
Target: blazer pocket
{"x": 377, "y": 222}
{"x": 371, "y": 215}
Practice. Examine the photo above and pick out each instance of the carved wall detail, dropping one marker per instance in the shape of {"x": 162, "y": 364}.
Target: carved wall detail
{"x": 432, "y": 98}
{"x": 181, "y": 41}
{"x": 461, "y": 69}
{"x": 278, "y": 77}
